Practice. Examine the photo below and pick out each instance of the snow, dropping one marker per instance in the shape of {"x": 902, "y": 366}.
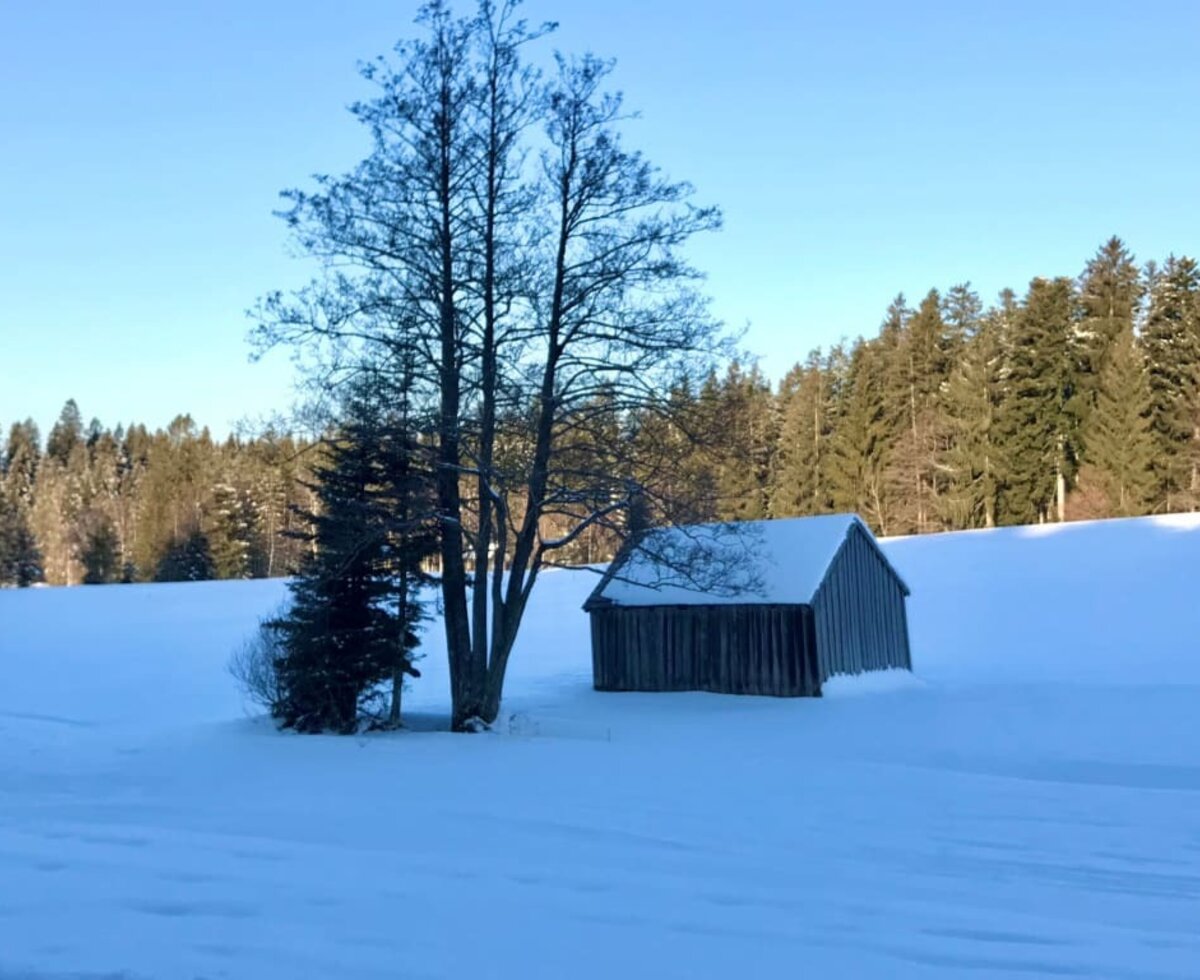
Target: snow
{"x": 1026, "y": 804}
{"x": 782, "y": 561}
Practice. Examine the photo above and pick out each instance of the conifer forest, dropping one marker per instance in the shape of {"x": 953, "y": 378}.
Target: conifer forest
{"x": 95, "y": 505}
{"x": 1076, "y": 399}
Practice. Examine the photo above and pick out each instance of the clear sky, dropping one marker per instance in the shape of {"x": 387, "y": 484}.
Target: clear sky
{"x": 857, "y": 149}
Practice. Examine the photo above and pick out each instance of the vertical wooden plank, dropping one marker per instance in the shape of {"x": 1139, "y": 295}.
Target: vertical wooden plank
{"x": 839, "y": 625}
{"x": 744, "y": 654}
{"x": 904, "y": 642}
{"x": 848, "y": 572}
{"x": 597, "y": 651}
{"x": 854, "y": 621}
{"x": 829, "y": 638}
{"x": 856, "y": 609}
{"x": 881, "y": 583}
{"x": 834, "y": 627}
{"x": 729, "y": 664}
{"x": 781, "y": 658}
{"x": 793, "y": 638}
{"x": 874, "y": 608}
{"x": 883, "y": 600}
{"x": 711, "y": 642}
{"x": 742, "y": 667}
{"x": 899, "y": 630}
{"x": 877, "y": 609}
{"x": 884, "y": 603}
{"x": 870, "y": 619}
{"x": 867, "y": 622}
{"x": 899, "y": 648}
{"x": 820, "y": 629}
{"x": 786, "y": 638}
{"x": 845, "y": 583}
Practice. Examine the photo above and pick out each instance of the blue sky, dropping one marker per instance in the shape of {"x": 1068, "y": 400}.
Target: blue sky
{"x": 857, "y": 150}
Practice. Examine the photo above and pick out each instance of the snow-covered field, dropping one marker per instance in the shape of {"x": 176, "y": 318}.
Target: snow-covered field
{"x": 1027, "y": 804}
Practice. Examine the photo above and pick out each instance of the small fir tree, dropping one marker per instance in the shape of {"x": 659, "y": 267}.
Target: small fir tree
{"x": 355, "y": 606}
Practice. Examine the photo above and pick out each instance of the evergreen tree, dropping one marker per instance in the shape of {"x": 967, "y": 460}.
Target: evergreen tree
{"x": 189, "y": 560}
{"x": 1110, "y": 290}
{"x": 743, "y": 437}
{"x": 1122, "y": 447}
{"x": 233, "y": 531}
{"x": 22, "y": 456}
{"x": 176, "y": 491}
{"x": 860, "y": 443}
{"x": 133, "y": 461}
{"x": 20, "y": 562}
{"x": 973, "y": 460}
{"x": 1040, "y": 419}
{"x": 1171, "y": 340}
{"x": 101, "y": 554}
{"x": 962, "y": 313}
{"x": 20, "y": 558}
{"x": 355, "y": 604}
{"x": 798, "y": 477}
{"x": 67, "y": 433}
{"x": 925, "y": 353}
{"x": 59, "y": 512}
{"x": 675, "y": 467}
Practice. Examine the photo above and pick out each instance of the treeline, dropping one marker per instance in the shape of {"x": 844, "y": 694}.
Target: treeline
{"x": 97, "y": 505}
{"x": 1080, "y": 399}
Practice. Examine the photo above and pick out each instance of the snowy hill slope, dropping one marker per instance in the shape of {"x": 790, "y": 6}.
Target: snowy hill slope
{"x": 1027, "y": 804}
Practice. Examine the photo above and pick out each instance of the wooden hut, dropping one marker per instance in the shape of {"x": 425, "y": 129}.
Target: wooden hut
{"x": 763, "y": 607}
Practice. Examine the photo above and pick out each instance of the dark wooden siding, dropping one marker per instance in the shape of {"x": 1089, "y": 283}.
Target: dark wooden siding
{"x": 859, "y": 612}
{"x": 734, "y": 649}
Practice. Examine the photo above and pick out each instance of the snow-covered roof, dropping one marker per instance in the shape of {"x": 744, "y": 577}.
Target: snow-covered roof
{"x": 753, "y": 562}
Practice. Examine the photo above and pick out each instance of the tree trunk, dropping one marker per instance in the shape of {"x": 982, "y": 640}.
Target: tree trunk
{"x": 523, "y": 570}
{"x": 464, "y": 688}
{"x": 397, "y": 693}
{"x": 496, "y": 672}
{"x": 487, "y": 422}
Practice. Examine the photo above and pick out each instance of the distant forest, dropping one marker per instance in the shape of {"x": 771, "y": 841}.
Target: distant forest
{"x": 1079, "y": 399}
{"x": 95, "y": 505}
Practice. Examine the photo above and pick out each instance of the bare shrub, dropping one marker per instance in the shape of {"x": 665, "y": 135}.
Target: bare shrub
{"x": 254, "y": 665}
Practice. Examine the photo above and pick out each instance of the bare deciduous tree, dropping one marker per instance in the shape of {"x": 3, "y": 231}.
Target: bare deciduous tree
{"x": 500, "y": 231}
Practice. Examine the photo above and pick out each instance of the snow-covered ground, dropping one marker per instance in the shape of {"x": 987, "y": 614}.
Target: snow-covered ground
{"x": 1027, "y": 804}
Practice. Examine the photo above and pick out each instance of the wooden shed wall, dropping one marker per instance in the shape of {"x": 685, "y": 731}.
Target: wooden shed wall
{"x": 750, "y": 649}
{"x": 859, "y": 612}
